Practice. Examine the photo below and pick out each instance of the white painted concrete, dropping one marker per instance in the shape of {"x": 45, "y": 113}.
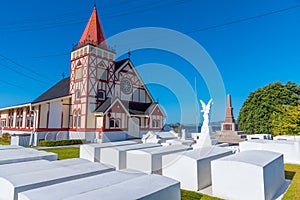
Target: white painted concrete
{"x": 259, "y": 137}
{"x": 192, "y": 168}
{"x": 248, "y": 175}
{"x": 23, "y": 155}
{"x": 6, "y": 147}
{"x": 79, "y": 186}
{"x": 91, "y": 152}
{"x": 287, "y": 137}
{"x": 36, "y": 165}
{"x": 116, "y": 156}
{"x": 150, "y": 187}
{"x": 12, "y": 185}
{"x": 150, "y": 160}
{"x": 289, "y": 149}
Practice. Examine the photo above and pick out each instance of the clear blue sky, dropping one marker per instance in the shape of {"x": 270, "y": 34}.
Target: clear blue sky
{"x": 249, "y": 54}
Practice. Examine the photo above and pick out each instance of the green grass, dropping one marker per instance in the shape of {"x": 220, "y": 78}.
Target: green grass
{"x": 65, "y": 153}
{"x": 292, "y": 172}
{"x": 190, "y": 195}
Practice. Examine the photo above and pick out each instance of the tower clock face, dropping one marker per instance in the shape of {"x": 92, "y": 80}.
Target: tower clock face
{"x": 126, "y": 86}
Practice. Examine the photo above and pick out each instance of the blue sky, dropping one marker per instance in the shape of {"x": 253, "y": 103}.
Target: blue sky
{"x": 38, "y": 38}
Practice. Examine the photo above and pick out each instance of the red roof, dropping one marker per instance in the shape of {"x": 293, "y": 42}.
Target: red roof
{"x": 93, "y": 33}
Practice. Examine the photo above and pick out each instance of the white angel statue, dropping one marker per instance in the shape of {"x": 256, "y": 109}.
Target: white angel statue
{"x": 206, "y": 110}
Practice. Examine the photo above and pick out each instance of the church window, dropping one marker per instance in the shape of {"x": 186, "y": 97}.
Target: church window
{"x": 114, "y": 123}
{"x": 3, "y": 123}
{"x": 75, "y": 120}
{"x": 79, "y": 119}
{"x": 10, "y": 119}
{"x": 77, "y": 94}
{"x": 102, "y": 74}
{"x": 78, "y": 72}
{"x": 101, "y": 95}
{"x": 29, "y": 120}
{"x": 19, "y": 119}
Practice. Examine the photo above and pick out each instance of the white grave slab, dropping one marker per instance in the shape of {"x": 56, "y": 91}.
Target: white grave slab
{"x": 248, "y": 175}
{"x": 192, "y": 168}
{"x": 290, "y": 149}
{"x": 23, "y": 155}
{"x": 116, "y": 156}
{"x": 79, "y": 186}
{"x": 150, "y": 160}
{"x": 287, "y": 137}
{"x": 12, "y": 185}
{"x": 6, "y": 147}
{"x": 92, "y": 151}
{"x": 150, "y": 187}
{"x": 37, "y": 165}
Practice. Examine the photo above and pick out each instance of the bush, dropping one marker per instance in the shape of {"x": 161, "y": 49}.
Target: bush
{"x": 52, "y": 143}
{"x": 6, "y": 138}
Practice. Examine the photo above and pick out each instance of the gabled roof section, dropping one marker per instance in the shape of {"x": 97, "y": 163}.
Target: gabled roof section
{"x": 93, "y": 32}
{"x": 60, "y": 89}
{"x": 131, "y": 107}
{"x": 120, "y": 63}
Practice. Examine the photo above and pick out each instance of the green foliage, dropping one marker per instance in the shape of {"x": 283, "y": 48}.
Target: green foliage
{"x": 286, "y": 120}
{"x": 52, "y": 143}
{"x": 256, "y": 112}
{"x": 5, "y": 138}
{"x": 65, "y": 153}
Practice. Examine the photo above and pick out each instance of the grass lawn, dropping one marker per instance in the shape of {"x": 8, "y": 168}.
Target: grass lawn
{"x": 292, "y": 172}
{"x": 65, "y": 153}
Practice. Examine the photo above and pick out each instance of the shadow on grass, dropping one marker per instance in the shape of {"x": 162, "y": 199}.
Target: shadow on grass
{"x": 289, "y": 175}
{"x": 190, "y": 195}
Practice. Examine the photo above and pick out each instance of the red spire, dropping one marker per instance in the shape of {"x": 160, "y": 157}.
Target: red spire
{"x": 93, "y": 33}
{"x": 229, "y": 115}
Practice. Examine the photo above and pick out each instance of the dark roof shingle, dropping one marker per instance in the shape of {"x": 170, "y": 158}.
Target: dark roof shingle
{"x": 60, "y": 89}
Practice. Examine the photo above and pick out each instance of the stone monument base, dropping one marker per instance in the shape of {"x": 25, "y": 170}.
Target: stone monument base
{"x": 231, "y": 137}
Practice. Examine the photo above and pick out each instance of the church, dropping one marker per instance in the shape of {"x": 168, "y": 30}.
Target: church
{"x": 102, "y": 100}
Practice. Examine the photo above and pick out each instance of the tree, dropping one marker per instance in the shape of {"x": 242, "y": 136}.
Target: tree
{"x": 286, "y": 120}
{"x": 255, "y": 114}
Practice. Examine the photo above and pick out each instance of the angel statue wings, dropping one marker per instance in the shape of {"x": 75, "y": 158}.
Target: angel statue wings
{"x": 206, "y": 110}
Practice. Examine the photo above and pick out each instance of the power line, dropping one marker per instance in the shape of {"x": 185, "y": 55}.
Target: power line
{"x": 22, "y": 74}
{"x": 23, "y": 67}
{"x": 245, "y": 19}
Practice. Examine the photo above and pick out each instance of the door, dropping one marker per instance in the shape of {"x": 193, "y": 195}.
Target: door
{"x": 134, "y": 127}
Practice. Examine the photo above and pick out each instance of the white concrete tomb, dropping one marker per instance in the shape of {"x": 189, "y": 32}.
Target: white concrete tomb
{"x": 116, "y": 156}
{"x": 289, "y": 149}
{"x": 91, "y": 152}
{"x": 65, "y": 171}
{"x": 79, "y": 186}
{"x": 150, "y": 160}
{"x": 150, "y": 187}
{"x": 23, "y": 155}
{"x": 192, "y": 168}
{"x": 248, "y": 175}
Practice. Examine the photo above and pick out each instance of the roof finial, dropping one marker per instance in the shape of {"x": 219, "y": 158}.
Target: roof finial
{"x": 129, "y": 53}
{"x": 95, "y": 3}
{"x": 63, "y": 75}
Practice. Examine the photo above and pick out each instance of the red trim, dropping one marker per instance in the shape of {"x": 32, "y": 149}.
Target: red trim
{"x": 39, "y": 117}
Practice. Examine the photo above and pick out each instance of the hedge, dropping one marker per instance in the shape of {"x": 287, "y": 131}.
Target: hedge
{"x": 52, "y": 143}
{"x": 6, "y": 138}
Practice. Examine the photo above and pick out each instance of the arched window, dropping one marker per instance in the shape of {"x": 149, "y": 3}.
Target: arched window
{"x": 75, "y": 120}
{"x": 101, "y": 95}
{"x": 79, "y": 119}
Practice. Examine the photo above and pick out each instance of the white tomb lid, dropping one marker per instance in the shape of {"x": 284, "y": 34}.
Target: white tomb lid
{"x": 253, "y": 157}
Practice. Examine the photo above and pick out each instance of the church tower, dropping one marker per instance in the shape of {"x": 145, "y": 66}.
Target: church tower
{"x": 91, "y": 75}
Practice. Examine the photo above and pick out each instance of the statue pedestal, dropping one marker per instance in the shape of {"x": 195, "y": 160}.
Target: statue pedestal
{"x": 206, "y": 138}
